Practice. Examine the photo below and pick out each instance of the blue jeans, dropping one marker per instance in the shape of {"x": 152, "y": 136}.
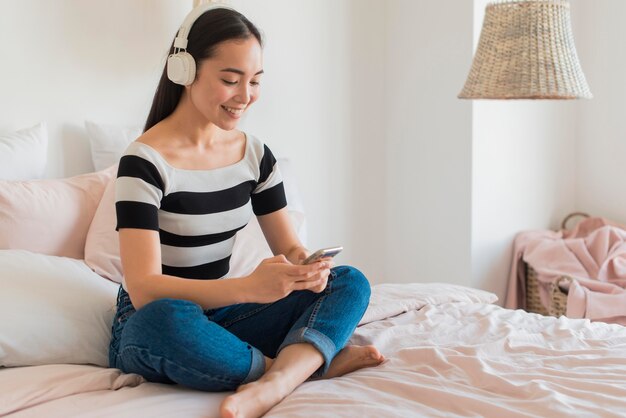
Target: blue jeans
{"x": 175, "y": 341}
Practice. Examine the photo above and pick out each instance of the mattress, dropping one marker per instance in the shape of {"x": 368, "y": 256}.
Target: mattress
{"x": 449, "y": 352}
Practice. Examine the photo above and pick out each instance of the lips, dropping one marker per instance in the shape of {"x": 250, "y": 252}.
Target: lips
{"x": 234, "y": 110}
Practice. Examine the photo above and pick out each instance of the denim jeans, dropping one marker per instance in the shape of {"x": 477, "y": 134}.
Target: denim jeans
{"x": 175, "y": 341}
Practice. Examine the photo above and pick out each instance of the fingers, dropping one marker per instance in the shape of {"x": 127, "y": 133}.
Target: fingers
{"x": 315, "y": 286}
{"x": 280, "y": 258}
{"x": 307, "y": 271}
{"x": 329, "y": 261}
{"x": 315, "y": 277}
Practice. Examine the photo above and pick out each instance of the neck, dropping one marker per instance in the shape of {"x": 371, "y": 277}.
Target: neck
{"x": 193, "y": 126}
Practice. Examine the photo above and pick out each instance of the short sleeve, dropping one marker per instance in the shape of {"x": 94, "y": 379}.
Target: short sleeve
{"x": 269, "y": 194}
{"x": 138, "y": 193}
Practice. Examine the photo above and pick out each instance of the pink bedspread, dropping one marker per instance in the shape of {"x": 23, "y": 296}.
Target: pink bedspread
{"x": 593, "y": 254}
{"x": 450, "y": 354}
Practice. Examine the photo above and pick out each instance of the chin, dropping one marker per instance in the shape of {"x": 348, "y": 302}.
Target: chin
{"x": 227, "y": 126}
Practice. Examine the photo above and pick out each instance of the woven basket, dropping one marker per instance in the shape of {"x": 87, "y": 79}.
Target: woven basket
{"x": 558, "y": 297}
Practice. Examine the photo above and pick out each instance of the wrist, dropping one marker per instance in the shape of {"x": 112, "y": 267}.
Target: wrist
{"x": 297, "y": 255}
{"x": 242, "y": 289}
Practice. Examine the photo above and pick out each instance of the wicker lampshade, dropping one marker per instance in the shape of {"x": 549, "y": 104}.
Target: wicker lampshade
{"x": 526, "y": 51}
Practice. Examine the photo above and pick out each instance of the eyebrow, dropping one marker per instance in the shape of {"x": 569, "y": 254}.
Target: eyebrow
{"x": 236, "y": 71}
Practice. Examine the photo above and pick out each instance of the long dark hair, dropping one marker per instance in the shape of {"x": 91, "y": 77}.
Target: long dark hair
{"x": 210, "y": 29}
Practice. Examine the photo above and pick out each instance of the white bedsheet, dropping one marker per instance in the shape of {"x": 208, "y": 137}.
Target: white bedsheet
{"x": 449, "y": 358}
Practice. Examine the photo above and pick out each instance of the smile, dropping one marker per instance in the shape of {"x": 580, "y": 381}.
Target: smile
{"x": 233, "y": 110}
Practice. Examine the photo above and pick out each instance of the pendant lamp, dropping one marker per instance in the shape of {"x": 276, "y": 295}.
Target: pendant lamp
{"x": 526, "y": 51}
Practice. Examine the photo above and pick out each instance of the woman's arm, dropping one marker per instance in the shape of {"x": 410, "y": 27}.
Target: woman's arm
{"x": 140, "y": 252}
{"x": 272, "y": 280}
{"x": 281, "y": 236}
{"x": 282, "y": 239}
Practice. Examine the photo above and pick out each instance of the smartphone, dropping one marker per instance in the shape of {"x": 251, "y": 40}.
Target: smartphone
{"x": 323, "y": 253}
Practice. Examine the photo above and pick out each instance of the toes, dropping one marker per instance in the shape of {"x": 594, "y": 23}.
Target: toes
{"x": 228, "y": 409}
{"x": 373, "y": 353}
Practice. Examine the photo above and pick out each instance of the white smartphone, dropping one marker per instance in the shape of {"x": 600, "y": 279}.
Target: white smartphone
{"x": 323, "y": 253}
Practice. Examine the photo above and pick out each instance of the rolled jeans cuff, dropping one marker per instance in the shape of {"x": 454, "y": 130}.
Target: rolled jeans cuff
{"x": 318, "y": 340}
{"x": 257, "y": 366}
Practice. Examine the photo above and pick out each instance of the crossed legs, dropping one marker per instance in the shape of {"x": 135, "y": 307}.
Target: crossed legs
{"x": 172, "y": 341}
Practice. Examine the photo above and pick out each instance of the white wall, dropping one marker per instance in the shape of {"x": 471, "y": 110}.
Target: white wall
{"x": 70, "y": 60}
{"x": 523, "y": 178}
{"x": 368, "y": 143}
{"x": 601, "y": 158}
{"x": 428, "y": 135}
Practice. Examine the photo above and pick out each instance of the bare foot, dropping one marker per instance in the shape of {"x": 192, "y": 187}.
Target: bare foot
{"x": 256, "y": 398}
{"x": 253, "y": 399}
{"x": 353, "y": 357}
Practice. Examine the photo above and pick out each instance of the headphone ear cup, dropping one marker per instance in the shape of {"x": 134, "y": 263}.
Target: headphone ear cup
{"x": 181, "y": 68}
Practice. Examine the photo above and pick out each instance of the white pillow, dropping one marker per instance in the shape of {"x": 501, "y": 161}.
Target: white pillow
{"x": 53, "y": 310}
{"x": 108, "y": 142}
{"x": 392, "y": 299}
{"x": 23, "y": 154}
{"x": 294, "y": 200}
{"x": 251, "y": 247}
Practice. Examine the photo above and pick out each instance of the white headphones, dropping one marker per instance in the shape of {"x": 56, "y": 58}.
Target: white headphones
{"x": 181, "y": 67}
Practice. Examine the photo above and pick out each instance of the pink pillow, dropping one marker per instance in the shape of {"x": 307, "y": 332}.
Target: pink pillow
{"x": 50, "y": 216}
{"x": 102, "y": 248}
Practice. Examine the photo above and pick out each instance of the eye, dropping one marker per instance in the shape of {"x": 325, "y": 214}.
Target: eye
{"x": 255, "y": 83}
{"x": 229, "y": 83}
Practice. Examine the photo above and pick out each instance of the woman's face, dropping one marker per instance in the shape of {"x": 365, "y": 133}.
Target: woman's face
{"x": 228, "y": 83}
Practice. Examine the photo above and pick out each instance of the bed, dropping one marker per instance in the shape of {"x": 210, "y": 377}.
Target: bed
{"x": 450, "y": 350}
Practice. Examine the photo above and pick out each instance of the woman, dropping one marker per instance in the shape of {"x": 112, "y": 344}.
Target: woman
{"x": 184, "y": 188}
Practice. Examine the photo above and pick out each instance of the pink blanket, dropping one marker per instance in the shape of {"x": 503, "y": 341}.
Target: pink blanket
{"x": 593, "y": 254}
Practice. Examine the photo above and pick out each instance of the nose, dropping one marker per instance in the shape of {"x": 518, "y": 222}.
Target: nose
{"x": 243, "y": 93}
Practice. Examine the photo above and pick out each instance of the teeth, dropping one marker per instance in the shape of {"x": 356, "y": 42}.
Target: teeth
{"x": 234, "y": 111}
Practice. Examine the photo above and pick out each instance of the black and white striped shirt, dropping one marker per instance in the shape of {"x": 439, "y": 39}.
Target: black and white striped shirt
{"x": 197, "y": 212}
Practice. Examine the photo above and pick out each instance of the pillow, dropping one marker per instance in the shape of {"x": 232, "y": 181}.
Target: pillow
{"x": 102, "y": 249}
{"x": 23, "y": 154}
{"x": 50, "y": 216}
{"x": 102, "y": 252}
{"x": 392, "y": 299}
{"x": 53, "y": 310}
{"x": 251, "y": 247}
{"x": 108, "y": 142}
{"x": 294, "y": 200}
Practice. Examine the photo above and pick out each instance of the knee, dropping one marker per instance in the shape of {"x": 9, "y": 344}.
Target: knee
{"x": 161, "y": 319}
{"x": 354, "y": 280}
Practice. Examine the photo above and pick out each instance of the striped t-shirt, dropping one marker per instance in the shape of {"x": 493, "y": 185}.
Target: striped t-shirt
{"x": 197, "y": 212}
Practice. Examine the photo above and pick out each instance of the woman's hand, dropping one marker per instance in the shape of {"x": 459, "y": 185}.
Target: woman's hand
{"x": 322, "y": 278}
{"x": 276, "y": 277}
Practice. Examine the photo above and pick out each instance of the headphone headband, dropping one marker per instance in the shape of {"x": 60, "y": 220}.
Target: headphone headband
{"x": 181, "y": 67}
{"x": 181, "y": 37}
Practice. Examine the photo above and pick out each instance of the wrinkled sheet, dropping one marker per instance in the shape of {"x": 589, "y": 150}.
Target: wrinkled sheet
{"x": 445, "y": 358}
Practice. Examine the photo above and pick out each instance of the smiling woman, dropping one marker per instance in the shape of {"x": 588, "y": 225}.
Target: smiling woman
{"x": 183, "y": 190}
